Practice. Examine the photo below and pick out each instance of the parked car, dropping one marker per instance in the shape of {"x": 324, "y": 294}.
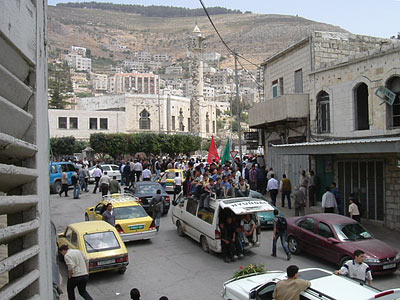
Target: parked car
{"x": 100, "y": 242}
{"x": 266, "y": 217}
{"x": 335, "y": 238}
{"x": 145, "y": 190}
{"x": 203, "y": 226}
{"x": 131, "y": 220}
{"x": 324, "y": 286}
{"x": 168, "y": 176}
{"x": 56, "y": 169}
{"x": 112, "y": 172}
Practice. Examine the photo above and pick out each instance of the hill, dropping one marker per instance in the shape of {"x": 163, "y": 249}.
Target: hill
{"x": 256, "y": 36}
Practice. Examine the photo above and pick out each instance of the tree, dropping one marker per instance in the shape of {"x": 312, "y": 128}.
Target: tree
{"x": 60, "y": 84}
{"x": 62, "y": 146}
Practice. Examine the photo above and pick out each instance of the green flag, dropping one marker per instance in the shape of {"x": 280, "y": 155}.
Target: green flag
{"x": 227, "y": 153}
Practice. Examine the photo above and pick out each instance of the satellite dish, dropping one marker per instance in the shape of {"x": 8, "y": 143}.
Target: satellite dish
{"x": 386, "y": 95}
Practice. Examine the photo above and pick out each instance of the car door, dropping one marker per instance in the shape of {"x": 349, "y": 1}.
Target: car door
{"x": 190, "y": 219}
{"x": 66, "y": 239}
{"x": 305, "y": 233}
{"x": 99, "y": 210}
{"x": 323, "y": 247}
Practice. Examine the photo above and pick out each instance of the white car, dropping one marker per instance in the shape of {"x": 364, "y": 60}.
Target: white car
{"x": 324, "y": 286}
{"x": 112, "y": 172}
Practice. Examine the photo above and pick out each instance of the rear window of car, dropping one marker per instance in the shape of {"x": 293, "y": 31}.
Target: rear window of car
{"x": 106, "y": 168}
{"x": 101, "y": 241}
{"x": 148, "y": 188}
{"x": 115, "y": 168}
{"x": 129, "y": 212}
{"x": 172, "y": 175}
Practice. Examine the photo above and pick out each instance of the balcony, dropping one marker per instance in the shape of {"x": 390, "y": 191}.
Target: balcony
{"x": 278, "y": 111}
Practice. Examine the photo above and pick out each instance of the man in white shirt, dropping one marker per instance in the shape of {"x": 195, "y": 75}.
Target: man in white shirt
{"x": 138, "y": 168}
{"x": 104, "y": 183}
{"x": 146, "y": 174}
{"x": 272, "y": 188}
{"x": 328, "y": 201}
{"x": 78, "y": 275}
{"x": 357, "y": 268}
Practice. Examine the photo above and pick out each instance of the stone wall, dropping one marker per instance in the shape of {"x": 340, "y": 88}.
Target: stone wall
{"x": 392, "y": 192}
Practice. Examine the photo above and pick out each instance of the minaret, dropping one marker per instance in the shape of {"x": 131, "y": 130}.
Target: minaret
{"x": 196, "y": 47}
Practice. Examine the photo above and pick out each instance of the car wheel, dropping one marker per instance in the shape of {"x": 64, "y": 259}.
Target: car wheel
{"x": 122, "y": 270}
{"x": 293, "y": 245}
{"x": 204, "y": 244}
{"x": 180, "y": 229}
{"x": 56, "y": 188}
{"x": 343, "y": 260}
{"x": 86, "y": 217}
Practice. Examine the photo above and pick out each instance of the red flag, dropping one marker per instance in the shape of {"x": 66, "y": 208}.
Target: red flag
{"x": 212, "y": 152}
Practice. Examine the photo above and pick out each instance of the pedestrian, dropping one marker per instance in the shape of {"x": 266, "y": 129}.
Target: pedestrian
{"x": 328, "y": 201}
{"x": 156, "y": 205}
{"x": 354, "y": 212}
{"x": 104, "y": 183}
{"x": 131, "y": 172}
{"x": 243, "y": 188}
{"x": 269, "y": 173}
{"x": 126, "y": 174}
{"x": 109, "y": 215}
{"x": 135, "y": 294}
{"x": 75, "y": 183}
{"x": 312, "y": 188}
{"x": 146, "y": 175}
{"x": 290, "y": 288}
{"x": 177, "y": 184}
{"x": 86, "y": 177}
{"x": 261, "y": 179}
{"x": 97, "y": 173}
{"x": 81, "y": 176}
{"x": 357, "y": 268}
{"x": 138, "y": 168}
{"x": 338, "y": 197}
{"x": 115, "y": 187}
{"x": 272, "y": 188}
{"x": 78, "y": 275}
{"x": 299, "y": 200}
{"x": 280, "y": 226}
{"x": 286, "y": 189}
{"x": 253, "y": 178}
{"x": 64, "y": 184}
{"x": 303, "y": 182}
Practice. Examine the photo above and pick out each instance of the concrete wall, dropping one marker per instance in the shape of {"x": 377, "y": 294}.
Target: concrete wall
{"x": 340, "y": 81}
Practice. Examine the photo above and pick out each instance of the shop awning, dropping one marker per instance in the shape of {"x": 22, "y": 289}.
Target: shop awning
{"x": 371, "y": 145}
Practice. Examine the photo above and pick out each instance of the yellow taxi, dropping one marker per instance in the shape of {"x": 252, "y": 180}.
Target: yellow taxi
{"x": 168, "y": 177}
{"x": 100, "y": 242}
{"x": 131, "y": 220}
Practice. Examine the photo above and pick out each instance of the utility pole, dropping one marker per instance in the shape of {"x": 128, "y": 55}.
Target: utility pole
{"x": 238, "y": 106}
{"x": 159, "y": 112}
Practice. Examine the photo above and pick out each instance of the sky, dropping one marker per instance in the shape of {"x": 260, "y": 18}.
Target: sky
{"x": 378, "y": 18}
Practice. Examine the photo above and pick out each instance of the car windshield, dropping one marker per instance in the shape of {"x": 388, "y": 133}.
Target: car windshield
{"x": 351, "y": 232}
{"x": 172, "y": 175}
{"x": 129, "y": 212}
{"x": 148, "y": 188}
{"x": 101, "y": 241}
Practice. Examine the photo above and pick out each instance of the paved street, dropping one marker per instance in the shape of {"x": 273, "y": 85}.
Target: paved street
{"x": 175, "y": 266}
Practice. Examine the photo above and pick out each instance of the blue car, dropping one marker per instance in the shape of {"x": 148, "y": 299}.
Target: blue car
{"x": 55, "y": 170}
{"x": 266, "y": 218}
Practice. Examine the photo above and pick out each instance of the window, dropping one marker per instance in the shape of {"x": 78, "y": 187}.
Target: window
{"x": 68, "y": 234}
{"x": 103, "y": 123}
{"x": 207, "y": 123}
{"x": 74, "y": 238}
{"x": 307, "y": 224}
{"x": 73, "y": 123}
{"x": 189, "y": 125}
{"x": 100, "y": 208}
{"x": 274, "y": 88}
{"x": 266, "y": 292}
{"x": 361, "y": 107}
{"x": 323, "y": 112}
{"x": 324, "y": 230}
{"x": 393, "y": 84}
{"x": 298, "y": 81}
{"x": 191, "y": 206}
{"x": 92, "y": 123}
{"x": 101, "y": 241}
{"x": 173, "y": 122}
{"x": 207, "y": 216}
{"x": 281, "y": 91}
{"x": 144, "y": 120}
{"x": 70, "y": 168}
{"x": 62, "y": 122}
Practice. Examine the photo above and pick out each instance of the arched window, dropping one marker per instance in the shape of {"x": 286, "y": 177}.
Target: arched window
{"x": 144, "y": 120}
{"x": 361, "y": 107}
{"x": 323, "y": 112}
{"x": 207, "y": 123}
{"x": 393, "y": 84}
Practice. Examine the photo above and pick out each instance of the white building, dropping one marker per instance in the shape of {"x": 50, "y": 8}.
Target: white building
{"x": 141, "y": 83}
{"x": 143, "y": 56}
{"x": 78, "y": 50}
{"x": 160, "y": 57}
{"x": 173, "y": 70}
{"x": 208, "y": 91}
{"x": 79, "y": 62}
{"x": 212, "y": 56}
{"x": 100, "y": 82}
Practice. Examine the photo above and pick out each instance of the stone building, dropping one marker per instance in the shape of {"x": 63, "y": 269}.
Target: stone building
{"x": 141, "y": 83}
{"x": 130, "y": 113}
{"x": 354, "y": 136}
{"x": 283, "y": 115}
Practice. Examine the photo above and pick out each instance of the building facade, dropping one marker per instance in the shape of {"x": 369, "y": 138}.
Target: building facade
{"x": 140, "y": 83}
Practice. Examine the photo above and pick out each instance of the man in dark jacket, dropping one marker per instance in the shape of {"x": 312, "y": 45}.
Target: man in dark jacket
{"x": 156, "y": 205}
{"x": 261, "y": 179}
{"x": 108, "y": 215}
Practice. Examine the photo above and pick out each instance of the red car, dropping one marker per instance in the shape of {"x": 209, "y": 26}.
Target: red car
{"x": 335, "y": 238}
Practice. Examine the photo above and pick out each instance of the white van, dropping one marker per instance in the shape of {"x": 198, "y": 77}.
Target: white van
{"x": 203, "y": 225}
